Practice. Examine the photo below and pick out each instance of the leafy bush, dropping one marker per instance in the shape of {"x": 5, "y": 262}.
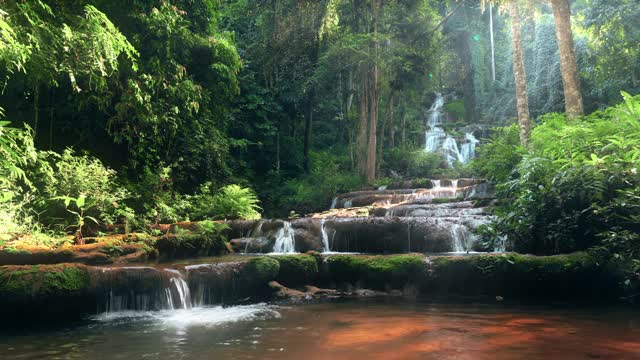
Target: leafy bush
{"x": 577, "y": 181}
{"x": 455, "y": 108}
{"x": 329, "y": 175}
{"x": 497, "y": 158}
{"x": 58, "y": 177}
{"x": 231, "y": 202}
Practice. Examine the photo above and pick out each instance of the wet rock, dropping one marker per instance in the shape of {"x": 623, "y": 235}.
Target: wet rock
{"x": 254, "y": 245}
{"x": 284, "y": 292}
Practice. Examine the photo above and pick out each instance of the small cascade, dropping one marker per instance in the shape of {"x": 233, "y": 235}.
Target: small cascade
{"x": 468, "y": 149}
{"x": 285, "y": 240}
{"x": 459, "y": 238}
{"x": 143, "y": 289}
{"x": 325, "y": 236}
{"x": 334, "y": 203}
{"x": 437, "y": 140}
{"x": 179, "y": 287}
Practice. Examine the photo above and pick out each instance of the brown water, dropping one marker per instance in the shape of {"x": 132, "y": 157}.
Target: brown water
{"x": 351, "y": 330}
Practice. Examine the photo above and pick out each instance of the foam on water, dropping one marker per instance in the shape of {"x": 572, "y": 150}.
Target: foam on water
{"x": 202, "y": 316}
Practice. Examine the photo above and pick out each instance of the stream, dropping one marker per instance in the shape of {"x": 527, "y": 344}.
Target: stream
{"x": 340, "y": 330}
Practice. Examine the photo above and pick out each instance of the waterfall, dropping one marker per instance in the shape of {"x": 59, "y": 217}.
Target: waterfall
{"x": 468, "y": 150}
{"x": 144, "y": 289}
{"x": 334, "y": 203}
{"x": 180, "y": 287}
{"x": 437, "y": 140}
{"x": 325, "y": 236}
{"x": 459, "y": 237}
{"x": 285, "y": 242}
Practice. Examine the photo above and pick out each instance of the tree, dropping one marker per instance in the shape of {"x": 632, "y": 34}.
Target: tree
{"x": 522, "y": 102}
{"x": 568, "y": 65}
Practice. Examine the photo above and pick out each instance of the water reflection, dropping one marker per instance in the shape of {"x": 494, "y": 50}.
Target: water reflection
{"x": 354, "y": 330}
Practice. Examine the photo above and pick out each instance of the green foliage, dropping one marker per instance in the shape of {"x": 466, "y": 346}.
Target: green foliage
{"x": 81, "y": 186}
{"x": 455, "y": 108}
{"x": 313, "y": 192}
{"x": 497, "y": 158}
{"x": 231, "y": 202}
{"x": 411, "y": 162}
{"x": 578, "y": 180}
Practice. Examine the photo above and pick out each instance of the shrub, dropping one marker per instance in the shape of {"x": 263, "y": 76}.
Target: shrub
{"x": 577, "y": 181}
{"x": 231, "y": 202}
{"x": 455, "y": 108}
{"x": 57, "y": 176}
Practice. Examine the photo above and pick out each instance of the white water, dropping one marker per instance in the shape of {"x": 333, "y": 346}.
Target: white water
{"x": 196, "y": 317}
{"x": 285, "y": 240}
{"x": 436, "y": 140}
{"x": 459, "y": 237}
{"x": 171, "y": 291}
{"x": 180, "y": 287}
{"x": 325, "y": 236}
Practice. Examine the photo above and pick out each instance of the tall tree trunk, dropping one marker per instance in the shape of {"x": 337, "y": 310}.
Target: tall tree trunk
{"x": 36, "y": 110}
{"x": 308, "y": 124}
{"x": 568, "y": 66}
{"x": 493, "y": 48}
{"x": 392, "y": 125}
{"x": 373, "y": 94}
{"x": 361, "y": 140}
{"x": 466, "y": 72}
{"x": 522, "y": 102}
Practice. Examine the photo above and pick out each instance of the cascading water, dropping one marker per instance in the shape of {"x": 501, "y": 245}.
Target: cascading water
{"x": 325, "y": 236}
{"x": 155, "y": 289}
{"x": 285, "y": 240}
{"x": 436, "y": 140}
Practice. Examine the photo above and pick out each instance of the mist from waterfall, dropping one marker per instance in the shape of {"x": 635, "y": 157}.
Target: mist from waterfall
{"x": 437, "y": 140}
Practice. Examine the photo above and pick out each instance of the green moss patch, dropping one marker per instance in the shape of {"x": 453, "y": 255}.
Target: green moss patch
{"x": 20, "y": 283}
{"x": 186, "y": 245}
{"x": 376, "y": 272}
{"x": 523, "y": 276}
{"x": 263, "y": 268}
{"x": 296, "y": 270}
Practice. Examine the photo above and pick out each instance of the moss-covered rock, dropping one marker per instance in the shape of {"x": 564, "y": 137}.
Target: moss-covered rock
{"x": 263, "y": 268}
{"x": 296, "y": 270}
{"x": 376, "y": 272}
{"x": 26, "y": 257}
{"x": 186, "y": 245}
{"x": 20, "y": 282}
{"x": 576, "y": 275}
{"x": 47, "y": 291}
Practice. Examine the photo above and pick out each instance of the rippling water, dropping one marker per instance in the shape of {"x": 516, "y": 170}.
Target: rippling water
{"x": 351, "y": 330}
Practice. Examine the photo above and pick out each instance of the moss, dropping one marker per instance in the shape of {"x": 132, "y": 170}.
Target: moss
{"x": 455, "y": 108}
{"x": 263, "y": 268}
{"x": 515, "y": 275}
{"x": 42, "y": 281}
{"x": 296, "y": 270}
{"x": 377, "y": 272}
{"x": 185, "y": 245}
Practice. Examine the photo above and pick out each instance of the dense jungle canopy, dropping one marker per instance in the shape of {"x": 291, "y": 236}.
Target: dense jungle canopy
{"x": 129, "y": 113}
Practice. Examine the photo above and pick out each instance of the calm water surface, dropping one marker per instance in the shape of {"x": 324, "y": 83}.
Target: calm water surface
{"x": 351, "y": 330}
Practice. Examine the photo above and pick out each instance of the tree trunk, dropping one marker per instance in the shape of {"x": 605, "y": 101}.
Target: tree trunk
{"x": 522, "y": 103}
{"x": 466, "y": 72}
{"x": 392, "y": 126}
{"x": 36, "y": 110}
{"x": 373, "y": 108}
{"x": 568, "y": 65}
{"x": 361, "y": 140}
{"x": 493, "y": 48}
